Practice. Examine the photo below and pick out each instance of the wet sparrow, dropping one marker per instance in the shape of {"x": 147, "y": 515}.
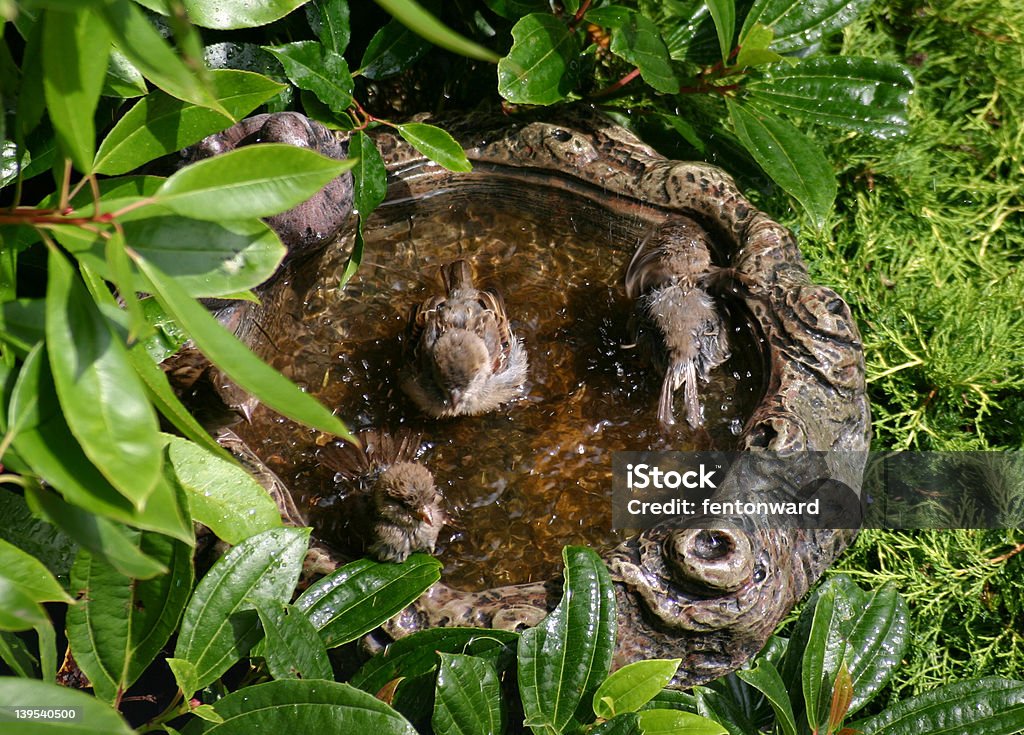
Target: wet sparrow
{"x": 407, "y": 508}
{"x": 463, "y": 358}
{"x": 689, "y": 337}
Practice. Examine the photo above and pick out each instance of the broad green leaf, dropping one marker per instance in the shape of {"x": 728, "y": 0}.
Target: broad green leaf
{"x": 862, "y": 94}
{"x": 228, "y": 14}
{"x": 673, "y": 699}
{"x": 34, "y": 535}
{"x": 93, "y": 716}
{"x": 416, "y": 654}
{"x": 23, "y": 323}
{"x": 541, "y": 67}
{"x": 765, "y": 678}
{"x": 563, "y": 660}
{"x": 293, "y": 648}
{"x": 225, "y": 351}
{"x": 468, "y": 697}
{"x": 319, "y": 70}
{"x": 47, "y": 637}
{"x": 825, "y": 651}
{"x": 167, "y": 403}
{"x": 413, "y": 16}
{"x": 673, "y": 722}
{"x": 18, "y": 611}
{"x": 292, "y": 705}
{"x": 724, "y": 14}
{"x": 329, "y": 20}
{"x": 633, "y": 686}
{"x": 119, "y": 624}
{"x": 369, "y": 174}
{"x": 637, "y": 39}
{"x": 185, "y": 674}
{"x": 76, "y": 46}
{"x": 14, "y": 652}
{"x": 138, "y": 39}
{"x": 989, "y": 706}
{"x": 756, "y": 49}
{"x": 248, "y": 182}
{"x": 394, "y": 48}
{"x": 221, "y": 495}
{"x": 11, "y": 161}
{"x": 627, "y": 723}
{"x": 123, "y": 79}
{"x": 798, "y": 25}
{"x": 32, "y": 96}
{"x": 724, "y": 710}
{"x": 794, "y": 161}
{"x": 119, "y": 267}
{"x": 436, "y": 144}
{"x": 103, "y": 538}
{"x": 25, "y": 571}
{"x": 220, "y": 624}
{"x": 102, "y": 398}
{"x": 159, "y": 124}
{"x": 880, "y": 635}
{"x": 357, "y": 598}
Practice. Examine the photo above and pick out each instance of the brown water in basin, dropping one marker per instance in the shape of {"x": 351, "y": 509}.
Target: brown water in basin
{"x": 535, "y": 475}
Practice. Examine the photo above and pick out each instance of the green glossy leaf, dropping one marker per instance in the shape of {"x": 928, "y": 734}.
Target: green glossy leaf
{"x": 637, "y": 39}
{"x": 866, "y": 95}
{"x": 541, "y": 66}
{"x": 293, "y": 648}
{"x": 14, "y": 652}
{"x": 220, "y": 624}
{"x": 11, "y": 161}
{"x": 673, "y": 721}
{"x": 627, "y": 723}
{"x": 633, "y": 686}
{"x": 369, "y": 174}
{"x": 563, "y": 660}
{"x": 18, "y": 611}
{"x": 225, "y": 351}
{"x": 329, "y": 20}
{"x": 228, "y": 14}
{"x": 167, "y": 403}
{"x": 765, "y": 678}
{"x": 724, "y": 710}
{"x": 319, "y": 70}
{"x": 103, "y": 538}
{"x": 673, "y": 699}
{"x": 416, "y": 654}
{"x": 436, "y": 144}
{"x": 990, "y": 706}
{"x": 32, "y": 96}
{"x": 724, "y": 14}
{"x": 103, "y": 399}
{"x": 756, "y": 50}
{"x": 880, "y": 634}
{"x": 138, "y": 39}
{"x": 159, "y": 124}
{"x": 185, "y": 674}
{"x": 291, "y": 705}
{"x": 25, "y": 571}
{"x": 221, "y": 495}
{"x": 413, "y": 16}
{"x": 516, "y": 9}
{"x": 393, "y": 49}
{"x": 123, "y": 79}
{"x": 75, "y": 51}
{"x": 253, "y": 181}
{"x": 825, "y": 651}
{"x": 34, "y": 535}
{"x": 797, "y": 25}
{"x": 468, "y": 698}
{"x": 794, "y": 161}
{"x": 119, "y": 267}
{"x": 93, "y": 715}
{"x": 119, "y": 624}
{"x": 357, "y": 598}
{"x": 22, "y": 323}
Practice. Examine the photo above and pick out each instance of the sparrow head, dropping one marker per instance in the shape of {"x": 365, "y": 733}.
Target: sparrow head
{"x": 406, "y": 496}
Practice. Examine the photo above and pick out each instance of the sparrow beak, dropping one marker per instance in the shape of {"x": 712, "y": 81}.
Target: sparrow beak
{"x": 425, "y": 515}
{"x": 454, "y": 396}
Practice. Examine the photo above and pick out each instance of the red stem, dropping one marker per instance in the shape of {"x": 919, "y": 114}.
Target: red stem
{"x": 617, "y": 85}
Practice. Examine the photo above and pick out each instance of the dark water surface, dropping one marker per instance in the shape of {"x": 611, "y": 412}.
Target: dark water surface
{"x": 535, "y": 475}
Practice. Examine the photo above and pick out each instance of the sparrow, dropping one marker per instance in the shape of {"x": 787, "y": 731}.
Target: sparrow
{"x": 406, "y": 507}
{"x": 676, "y": 317}
{"x": 462, "y": 357}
